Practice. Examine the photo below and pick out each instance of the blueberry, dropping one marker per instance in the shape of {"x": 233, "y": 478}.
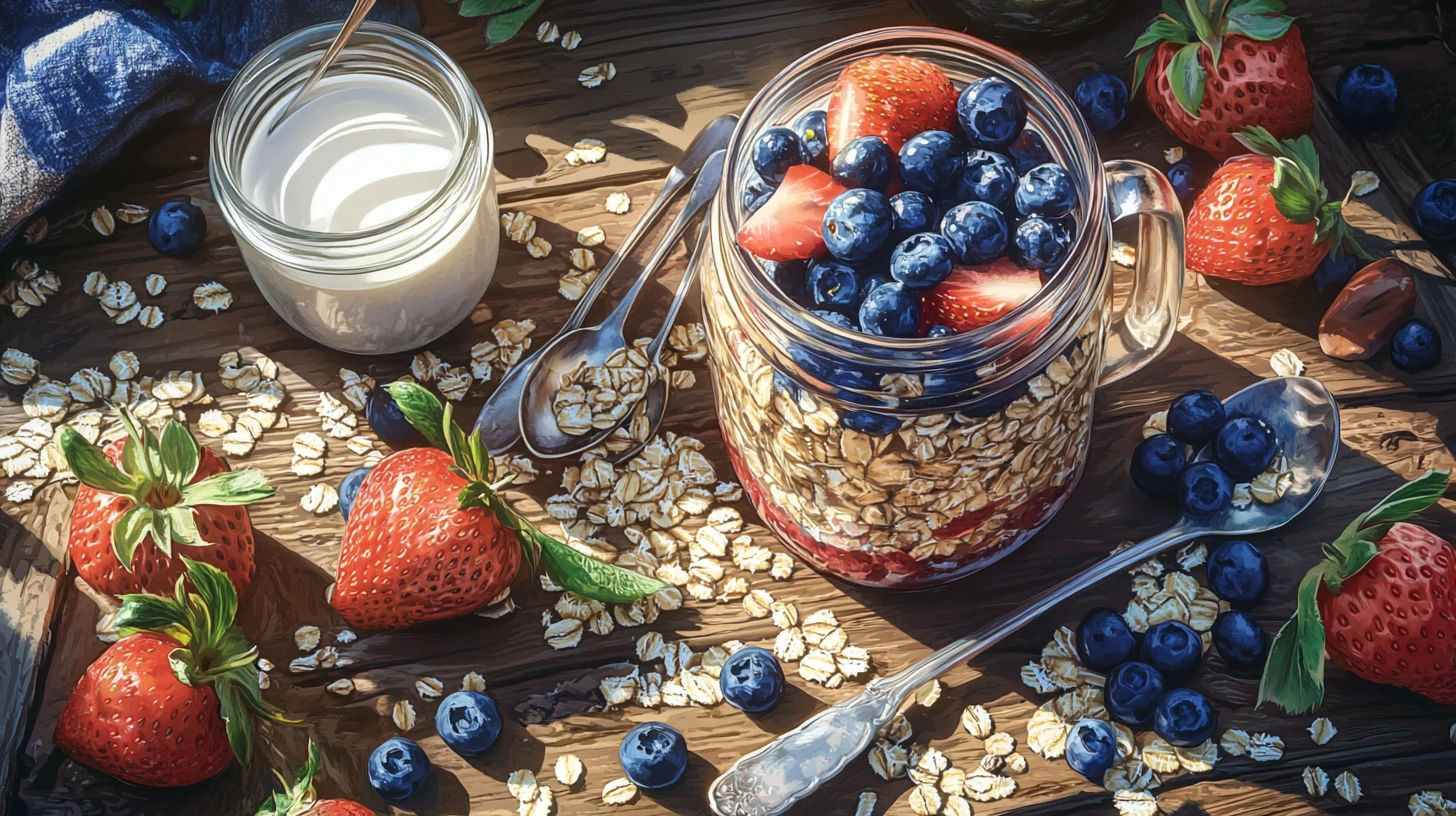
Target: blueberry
{"x": 1240, "y": 641}
{"x": 349, "y": 488}
{"x": 890, "y": 310}
{"x": 1195, "y": 417}
{"x": 839, "y": 319}
{"x": 1046, "y": 190}
{"x": 752, "y": 680}
{"x": 1102, "y": 98}
{"x": 1029, "y": 150}
{"x": 1435, "y": 209}
{"x": 654, "y": 755}
{"x": 1335, "y": 271}
{"x": 1132, "y": 692}
{"x": 1415, "y": 346}
{"x": 931, "y": 161}
{"x": 755, "y": 194}
{"x": 1238, "y": 573}
{"x": 1365, "y": 97}
{"x": 869, "y": 422}
{"x": 1104, "y": 640}
{"x": 176, "y": 228}
{"x": 1204, "y": 489}
{"x": 1244, "y": 447}
{"x": 397, "y": 769}
{"x": 976, "y": 231}
{"x": 922, "y": 261}
{"x": 1185, "y": 718}
{"x": 832, "y": 284}
{"x": 1156, "y": 463}
{"x": 812, "y": 128}
{"x": 856, "y": 224}
{"x": 1173, "y": 648}
{"x": 913, "y": 212}
{"x": 389, "y": 423}
{"x": 988, "y": 177}
{"x": 991, "y": 112}
{"x": 775, "y": 151}
{"x": 864, "y": 162}
{"x": 789, "y": 277}
{"x": 1091, "y": 748}
{"x": 1043, "y": 243}
{"x": 468, "y": 722}
{"x": 938, "y": 331}
{"x": 1184, "y": 178}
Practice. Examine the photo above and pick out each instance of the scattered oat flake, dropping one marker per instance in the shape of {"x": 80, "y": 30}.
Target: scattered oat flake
{"x": 1135, "y": 803}
{"x": 306, "y": 638}
{"x": 569, "y": 769}
{"x": 590, "y": 151}
{"x": 977, "y": 721}
{"x": 522, "y": 785}
{"x": 342, "y": 687}
{"x": 547, "y": 32}
{"x": 482, "y": 313}
{"x": 1364, "y": 182}
{"x": 1316, "y": 781}
{"x": 19, "y": 492}
{"x": 619, "y": 203}
{"x": 1347, "y": 785}
{"x": 591, "y": 236}
{"x": 928, "y": 694}
{"x": 429, "y": 688}
{"x": 538, "y": 247}
{"x": 1000, "y": 744}
{"x": 320, "y": 499}
{"x": 155, "y": 284}
{"x": 1173, "y": 155}
{"x": 95, "y": 284}
{"x": 595, "y": 75}
{"x": 213, "y": 297}
{"x": 103, "y": 221}
{"x": 1286, "y": 363}
{"x": 403, "y": 715}
{"x": 1322, "y": 731}
{"x": 151, "y": 317}
{"x": 1264, "y": 748}
{"x": 570, "y": 40}
{"x": 924, "y": 800}
{"x": 132, "y": 213}
{"x": 1124, "y": 254}
{"x": 619, "y": 792}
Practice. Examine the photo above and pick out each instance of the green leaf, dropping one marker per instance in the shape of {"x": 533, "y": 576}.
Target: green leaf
{"x": 1202, "y": 26}
{"x": 1294, "y": 673}
{"x": 1140, "y": 69}
{"x": 148, "y": 613}
{"x": 1256, "y": 7}
{"x": 217, "y": 594}
{"x": 1291, "y": 192}
{"x": 128, "y": 532}
{"x": 1187, "y": 78}
{"x": 1174, "y": 10}
{"x": 297, "y": 796}
{"x": 590, "y": 578}
{"x": 1259, "y": 26}
{"x": 502, "y": 27}
{"x": 179, "y": 452}
{"x": 422, "y": 410}
{"x": 182, "y": 8}
{"x": 184, "y": 666}
{"x": 237, "y": 719}
{"x": 1161, "y": 30}
{"x": 1356, "y": 544}
{"x": 91, "y": 465}
{"x": 232, "y": 488}
{"x": 480, "y": 8}
{"x": 184, "y": 527}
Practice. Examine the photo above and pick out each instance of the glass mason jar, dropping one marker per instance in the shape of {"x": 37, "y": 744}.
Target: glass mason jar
{"x": 385, "y": 288}
{"x": 908, "y": 463}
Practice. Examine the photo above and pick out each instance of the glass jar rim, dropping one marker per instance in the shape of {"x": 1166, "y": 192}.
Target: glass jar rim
{"x": 282, "y": 62}
{"x": 1023, "y": 74}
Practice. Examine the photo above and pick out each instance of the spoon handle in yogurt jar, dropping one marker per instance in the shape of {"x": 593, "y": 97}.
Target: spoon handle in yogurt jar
{"x": 498, "y": 422}
{"x": 355, "y": 19}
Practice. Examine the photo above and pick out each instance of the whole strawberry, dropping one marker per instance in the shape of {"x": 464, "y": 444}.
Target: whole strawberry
{"x": 298, "y": 798}
{"x": 1266, "y": 217}
{"x": 429, "y": 538}
{"x": 145, "y": 494}
{"x": 892, "y": 97}
{"x": 1213, "y": 67}
{"x": 171, "y": 703}
{"x": 1382, "y": 605}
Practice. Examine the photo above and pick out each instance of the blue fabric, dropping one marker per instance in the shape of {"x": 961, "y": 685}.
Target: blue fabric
{"x": 83, "y": 76}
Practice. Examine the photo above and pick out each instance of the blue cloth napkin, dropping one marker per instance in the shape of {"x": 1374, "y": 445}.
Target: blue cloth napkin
{"x": 83, "y": 76}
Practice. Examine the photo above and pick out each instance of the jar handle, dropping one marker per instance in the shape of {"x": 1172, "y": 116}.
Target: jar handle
{"x": 1145, "y": 324}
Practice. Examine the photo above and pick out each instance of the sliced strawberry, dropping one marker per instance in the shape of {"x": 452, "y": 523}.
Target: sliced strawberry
{"x": 976, "y": 296}
{"x": 891, "y": 97}
{"x": 790, "y": 225}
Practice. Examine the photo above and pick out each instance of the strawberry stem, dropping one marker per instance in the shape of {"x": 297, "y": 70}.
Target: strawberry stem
{"x": 297, "y": 797}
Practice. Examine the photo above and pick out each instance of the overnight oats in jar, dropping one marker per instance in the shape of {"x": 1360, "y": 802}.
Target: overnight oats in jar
{"x": 368, "y": 215}
{"x": 909, "y": 302}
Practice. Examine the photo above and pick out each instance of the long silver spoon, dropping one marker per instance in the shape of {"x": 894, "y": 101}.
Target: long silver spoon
{"x": 499, "y": 420}
{"x": 768, "y": 781}
{"x": 594, "y": 344}
{"x": 355, "y": 19}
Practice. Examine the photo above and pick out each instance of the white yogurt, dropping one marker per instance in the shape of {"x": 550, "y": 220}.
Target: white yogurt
{"x": 364, "y": 153}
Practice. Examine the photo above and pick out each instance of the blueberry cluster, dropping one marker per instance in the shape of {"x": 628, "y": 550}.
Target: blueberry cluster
{"x": 467, "y": 721}
{"x": 967, "y": 198}
{"x": 1145, "y": 674}
{"x": 1240, "y": 448}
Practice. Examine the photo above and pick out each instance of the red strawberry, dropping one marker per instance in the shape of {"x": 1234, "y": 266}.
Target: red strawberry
{"x": 790, "y": 225}
{"x": 1382, "y": 604}
{"x": 298, "y": 797}
{"x": 1260, "y": 79}
{"x": 171, "y": 703}
{"x": 132, "y": 508}
{"x": 891, "y": 97}
{"x": 429, "y": 538}
{"x": 976, "y": 296}
{"x": 1244, "y": 227}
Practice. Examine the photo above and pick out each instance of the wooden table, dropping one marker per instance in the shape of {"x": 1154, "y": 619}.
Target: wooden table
{"x": 678, "y": 66}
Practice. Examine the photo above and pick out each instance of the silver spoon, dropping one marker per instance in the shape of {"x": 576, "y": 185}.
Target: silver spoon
{"x": 768, "y": 781}
{"x": 356, "y": 19}
{"x": 594, "y": 344}
{"x": 499, "y": 419}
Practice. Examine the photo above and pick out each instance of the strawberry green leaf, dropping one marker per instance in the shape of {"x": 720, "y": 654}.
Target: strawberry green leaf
{"x": 297, "y": 796}
{"x": 503, "y": 27}
{"x": 231, "y": 488}
{"x": 580, "y": 573}
{"x": 128, "y": 532}
{"x": 184, "y": 666}
{"x": 184, "y": 527}
{"x": 218, "y": 596}
{"x": 1292, "y": 194}
{"x": 1294, "y": 674}
{"x": 182, "y": 8}
{"x": 1259, "y": 26}
{"x": 179, "y": 453}
{"x": 148, "y": 613}
{"x": 480, "y": 8}
{"x": 1356, "y": 545}
{"x": 1248, "y": 7}
{"x": 1202, "y": 26}
{"x": 422, "y": 410}
{"x": 1174, "y": 10}
{"x": 1162, "y": 29}
{"x": 1187, "y": 77}
{"x": 1140, "y": 69}
{"x": 237, "y": 719}
{"x": 91, "y": 465}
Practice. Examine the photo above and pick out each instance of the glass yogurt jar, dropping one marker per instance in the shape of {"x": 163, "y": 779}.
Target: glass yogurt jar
{"x": 368, "y": 216}
{"x": 909, "y": 462}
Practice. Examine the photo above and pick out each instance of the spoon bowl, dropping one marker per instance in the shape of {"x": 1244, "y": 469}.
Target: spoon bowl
{"x": 1306, "y": 421}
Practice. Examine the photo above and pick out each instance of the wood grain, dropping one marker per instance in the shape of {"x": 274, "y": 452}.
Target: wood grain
{"x": 679, "y": 65}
